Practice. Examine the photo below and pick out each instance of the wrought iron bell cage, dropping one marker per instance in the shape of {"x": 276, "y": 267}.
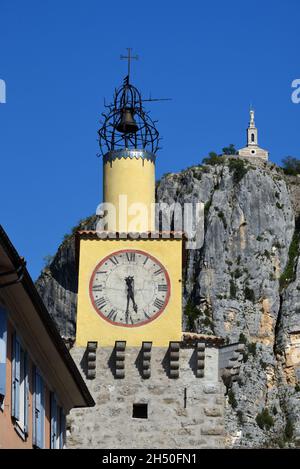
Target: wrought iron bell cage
{"x": 126, "y": 125}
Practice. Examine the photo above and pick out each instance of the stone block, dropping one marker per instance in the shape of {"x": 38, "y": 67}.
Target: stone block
{"x": 220, "y": 400}
{"x": 211, "y": 388}
{"x": 213, "y": 411}
{"x": 211, "y": 430}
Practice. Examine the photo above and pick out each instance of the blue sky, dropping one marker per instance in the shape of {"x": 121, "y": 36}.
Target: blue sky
{"x": 59, "y": 59}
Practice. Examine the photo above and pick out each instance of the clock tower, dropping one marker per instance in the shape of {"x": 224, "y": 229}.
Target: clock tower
{"x": 129, "y": 274}
{"x": 154, "y": 385}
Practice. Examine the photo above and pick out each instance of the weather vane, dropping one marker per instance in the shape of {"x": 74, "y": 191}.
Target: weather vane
{"x": 129, "y": 57}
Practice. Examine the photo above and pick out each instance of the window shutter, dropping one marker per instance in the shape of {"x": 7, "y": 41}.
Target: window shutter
{"x": 62, "y": 432}
{"x": 16, "y": 370}
{"x": 3, "y": 339}
{"x": 26, "y": 392}
{"x": 53, "y": 421}
{"x": 39, "y": 411}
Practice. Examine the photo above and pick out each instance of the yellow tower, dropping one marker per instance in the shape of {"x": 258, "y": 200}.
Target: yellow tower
{"x": 129, "y": 274}
{"x": 129, "y": 185}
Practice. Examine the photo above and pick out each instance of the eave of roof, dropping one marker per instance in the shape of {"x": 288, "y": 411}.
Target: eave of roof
{"x": 45, "y": 318}
{"x": 92, "y": 234}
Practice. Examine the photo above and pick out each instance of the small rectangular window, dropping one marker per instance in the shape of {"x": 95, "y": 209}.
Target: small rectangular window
{"x": 140, "y": 411}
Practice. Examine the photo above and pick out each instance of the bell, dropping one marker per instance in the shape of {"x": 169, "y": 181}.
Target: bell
{"x": 127, "y": 124}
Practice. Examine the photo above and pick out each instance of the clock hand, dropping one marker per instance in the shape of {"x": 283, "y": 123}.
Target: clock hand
{"x": 130, "y": 295}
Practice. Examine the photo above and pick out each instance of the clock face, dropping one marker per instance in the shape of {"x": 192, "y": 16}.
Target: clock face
{"x": 129, "y": 288}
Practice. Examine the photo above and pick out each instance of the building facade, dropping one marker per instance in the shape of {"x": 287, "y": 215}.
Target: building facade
{"x": 39, "y": 382}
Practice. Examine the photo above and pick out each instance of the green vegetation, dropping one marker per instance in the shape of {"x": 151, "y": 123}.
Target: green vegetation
{"x": 222, "y": 216}
{"x": 263, "y": 365}
{"x": 238, "y": 168}
{"x": 192, "y": 313}
{"x": 233, "y": 289}
{"x": 231, "y": 399}
{"x": 240, "y": 417}
{"x": 264, "y": 420}
{"x": 291, "y": 165}
{"x": 252, "y": 348}
{"x": 230, "y": 150}
{"x": 288, "y": 274}
{"x": 259, "y": 238}
{"x": 213, "y": 159}
{"x": 249, "y": 294}
{"x": 207, "y": 321}
{"x": 267, "y": 254}
{"x": 297, "y": 387}
{"x": 289, "y": 430}
{"x": 237, "y": 273}
{"x": 207, "y": 207}
{"x": 243, "y": 338}
{"x": 80, "y": 226}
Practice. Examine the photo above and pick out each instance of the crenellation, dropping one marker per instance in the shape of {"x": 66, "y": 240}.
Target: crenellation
{"x": 91, "y": 359}
{"x": 146, "y": 359}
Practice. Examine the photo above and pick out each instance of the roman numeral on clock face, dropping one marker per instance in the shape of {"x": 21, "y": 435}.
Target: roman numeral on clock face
{"x": 97, "y": 287}
{"x": 114, "y": 260}
{"x": 158, "y": 303}
{"x": 100, "y": 302}
{"x": 162, "y": 287}
{"x": 157, "y": 272}
{"x": 112, "y": 315}
{"x": 130, "y": 256}
{"x": 146, "y": 315}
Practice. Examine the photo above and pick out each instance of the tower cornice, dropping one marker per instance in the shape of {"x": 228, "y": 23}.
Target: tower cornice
{"x": 131, "y": 154}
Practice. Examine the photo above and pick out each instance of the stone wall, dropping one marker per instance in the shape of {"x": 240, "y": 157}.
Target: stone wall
{"x": 182, "y": 413}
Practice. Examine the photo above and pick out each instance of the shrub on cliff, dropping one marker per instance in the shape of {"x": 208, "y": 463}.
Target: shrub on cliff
{"x": 264, "y": 420}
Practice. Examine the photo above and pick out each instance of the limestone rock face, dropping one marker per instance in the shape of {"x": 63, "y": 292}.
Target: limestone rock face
{"x": 242, "y": 284}
{"x": 57, "y": 283}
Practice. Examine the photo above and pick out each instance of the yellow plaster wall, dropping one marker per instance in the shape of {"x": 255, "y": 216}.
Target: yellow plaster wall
{"x": 134, "y": 177}
{"x": 160, "y": 331}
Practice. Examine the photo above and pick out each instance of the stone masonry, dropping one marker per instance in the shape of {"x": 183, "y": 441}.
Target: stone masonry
{"x": 186, "y": 412}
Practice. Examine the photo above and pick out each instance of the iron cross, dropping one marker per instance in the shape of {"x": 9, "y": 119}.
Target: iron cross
{"x": 129, "y": 57}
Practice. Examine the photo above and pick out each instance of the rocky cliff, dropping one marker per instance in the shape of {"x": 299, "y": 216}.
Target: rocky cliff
{"x": 242, "y": 284}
